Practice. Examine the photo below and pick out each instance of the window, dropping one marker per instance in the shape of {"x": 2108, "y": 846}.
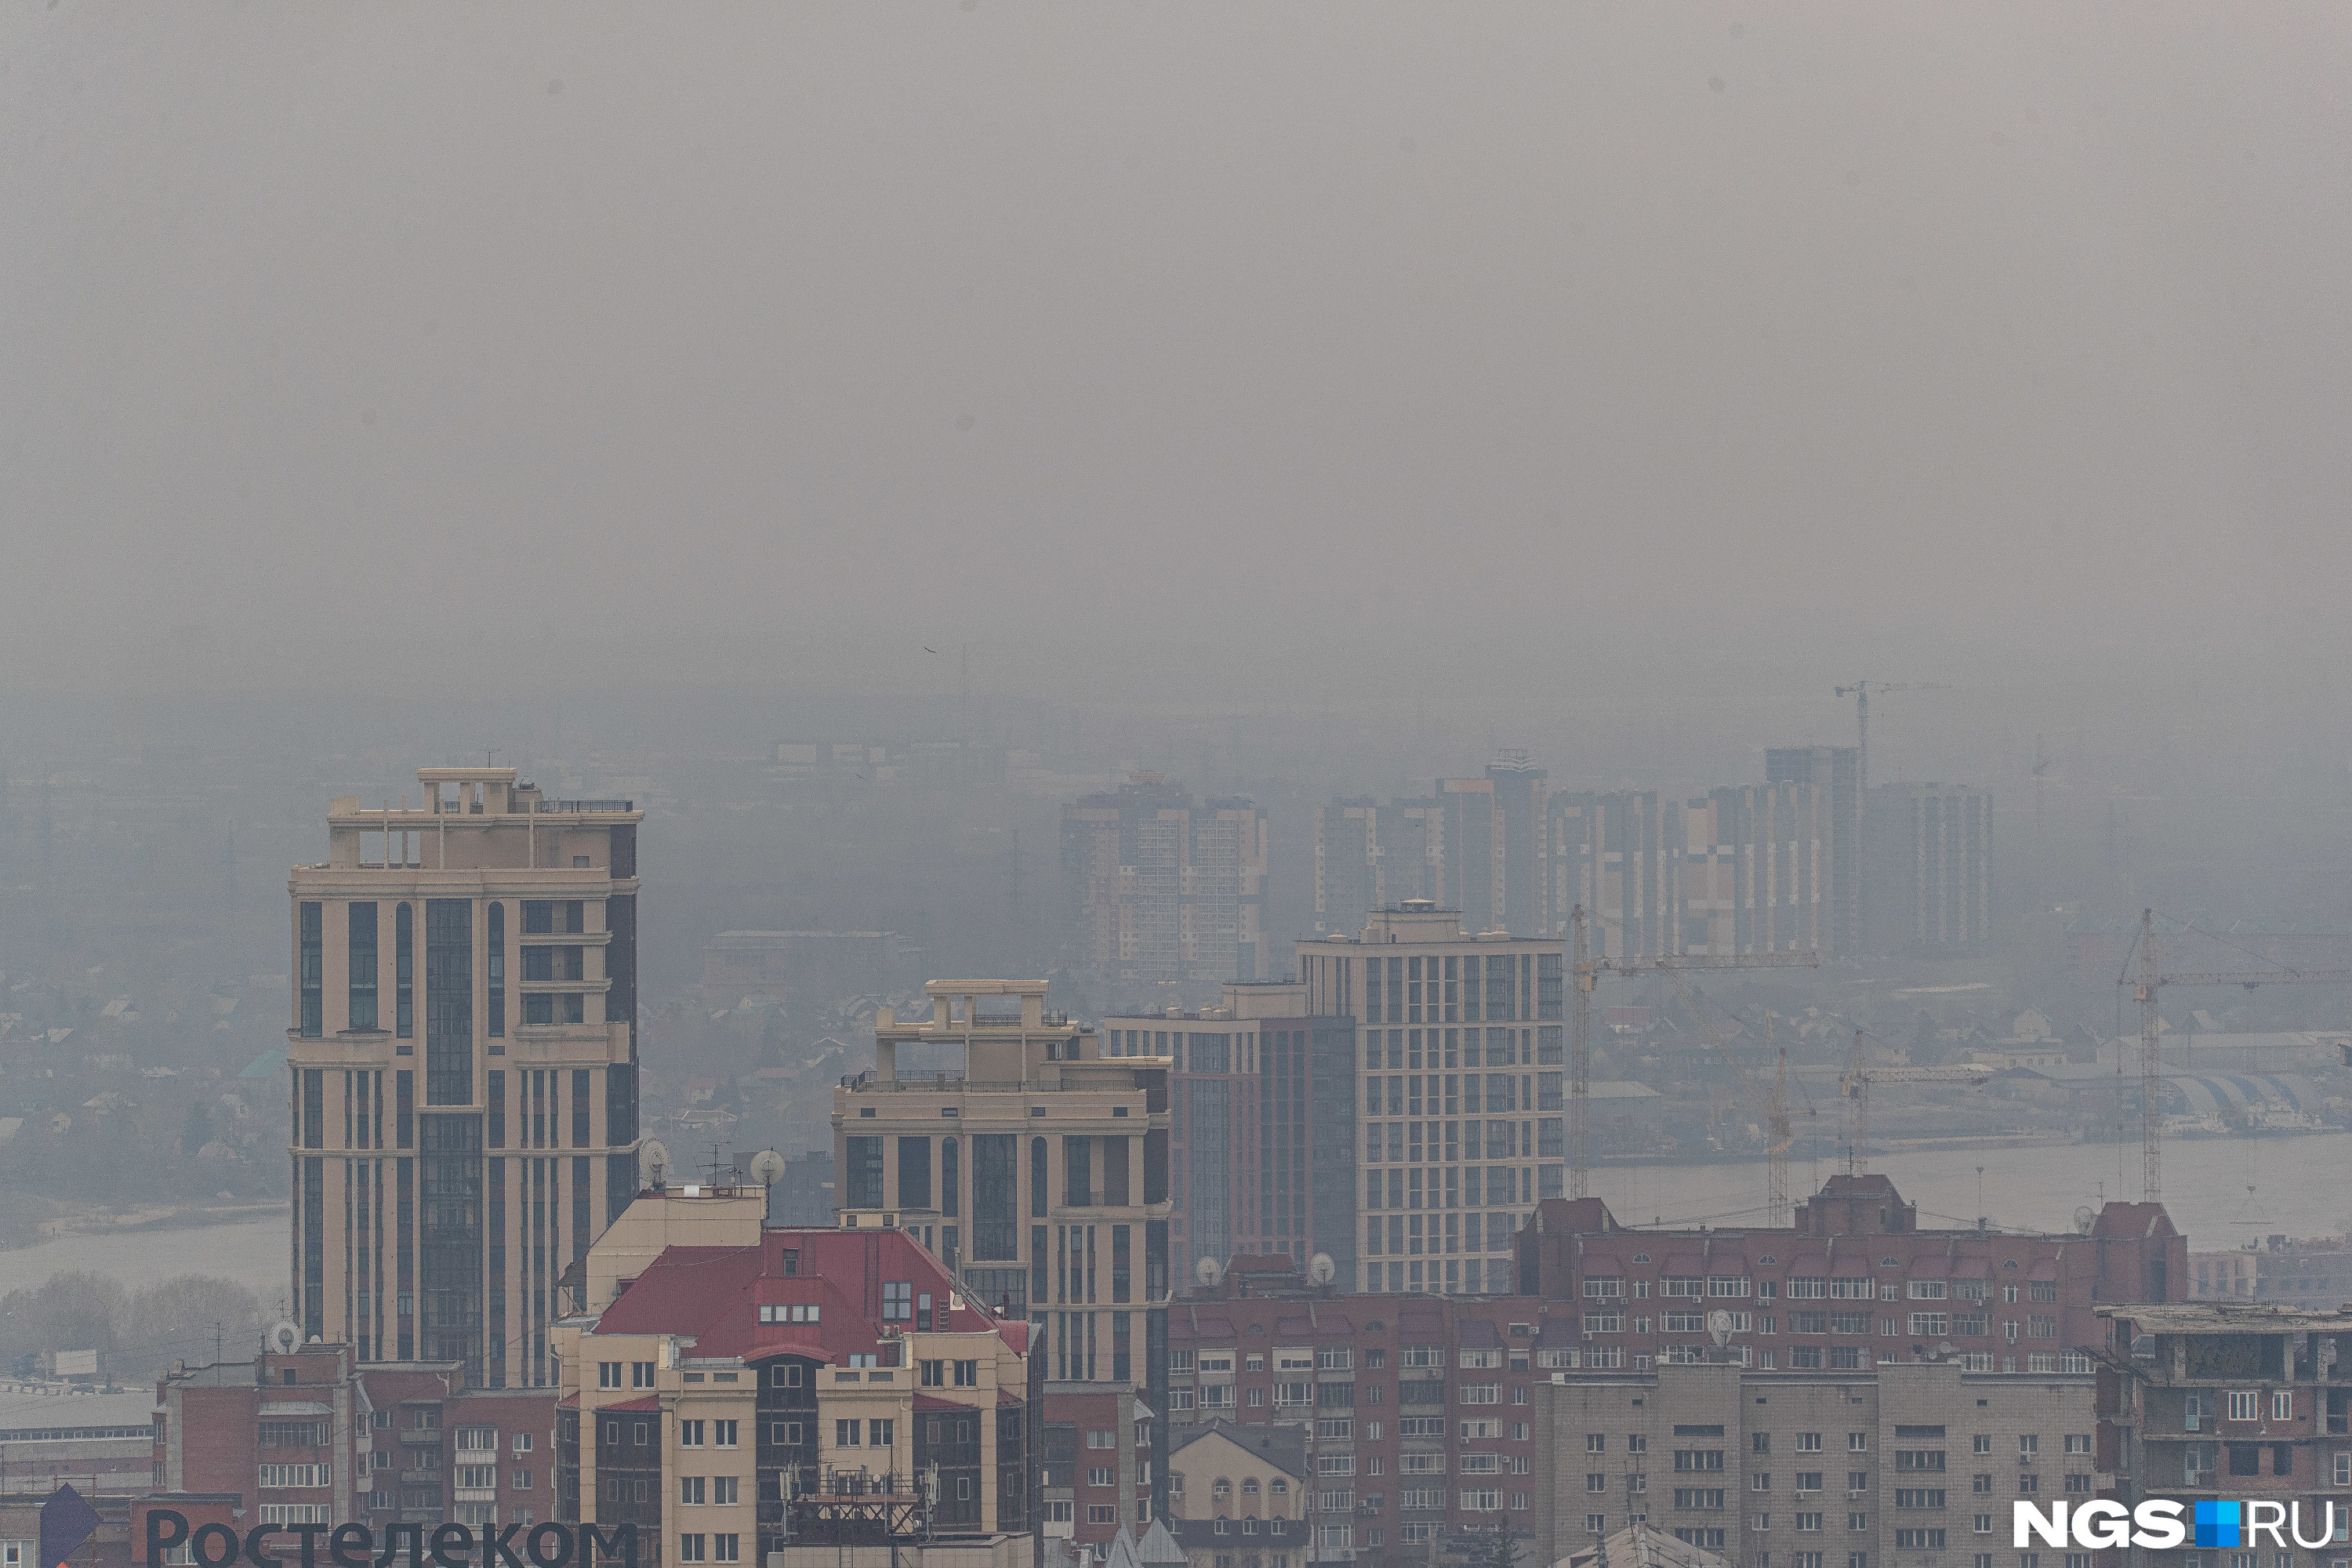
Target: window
{"x": 1808, "y": 1442}
{"x": 2281, "y": 1404}
{"x": 789, "y": 1312}
{"x": 2245, "y": 1405}
{"x": 1101, "y": 1475}
{"x": 1102, "y": 1513}
{"x": 689, "y": 1547}
{"x": 726, "y": 1548}
{"x": 693, "y": 1489}
{"x": 689, "y": 1434}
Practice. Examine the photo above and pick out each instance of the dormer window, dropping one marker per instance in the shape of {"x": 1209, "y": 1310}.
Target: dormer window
{"x": 788, "y": 1311}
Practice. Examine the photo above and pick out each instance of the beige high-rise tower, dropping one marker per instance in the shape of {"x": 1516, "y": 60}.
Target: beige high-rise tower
{"x": 463, "y": 1063}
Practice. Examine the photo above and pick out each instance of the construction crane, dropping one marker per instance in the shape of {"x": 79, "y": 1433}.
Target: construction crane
{"x": 1776, "y": 1137}
{"x": 1775, "y": 1103}
{"x": 2150, "y": 980}
{"x": 1856, "y": 1086}
{"x": 1585, "y": 972}
{"x": 1860, "y": 692}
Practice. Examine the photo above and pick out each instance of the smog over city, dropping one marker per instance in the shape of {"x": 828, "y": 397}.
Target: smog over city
{"x": 1466, "y": 669}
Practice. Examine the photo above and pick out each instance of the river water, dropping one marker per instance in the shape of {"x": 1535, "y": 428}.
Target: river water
{"x": 252, "y": 1252}
{"x": 2300, "y": 1187}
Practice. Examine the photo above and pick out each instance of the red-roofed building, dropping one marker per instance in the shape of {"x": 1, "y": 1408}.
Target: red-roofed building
{"x": 732, "y": 1389}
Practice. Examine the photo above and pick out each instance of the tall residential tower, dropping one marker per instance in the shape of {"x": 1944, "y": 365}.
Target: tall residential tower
{"x": 464, "y": 1067}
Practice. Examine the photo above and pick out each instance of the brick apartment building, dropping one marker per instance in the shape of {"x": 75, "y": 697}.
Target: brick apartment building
{"x": 313, "y": 1436}
{"x": 1394, "y": 1394}
{"x": 2229, "y": 1400}
{"x": 1853, "y": 1281}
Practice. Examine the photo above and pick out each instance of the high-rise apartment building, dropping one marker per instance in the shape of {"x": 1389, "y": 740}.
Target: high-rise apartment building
{"x": 1755, "y": 870}
{"x": 1159, "y": 891}
{"x": 464, "y": 1067}
{"x": 1035, "y": 1170}
{"x": 1461, "y": 1046}
{"x": 1620, "y": 855}
{"x": 1480, "y": 846}
{"x": 1835, "y": 770}
{"x": 1262, "y": 1115}
{"x": 1929, "y": 883}
{"x": 1369, "y": 855}
{"x": 1498, "y": 853}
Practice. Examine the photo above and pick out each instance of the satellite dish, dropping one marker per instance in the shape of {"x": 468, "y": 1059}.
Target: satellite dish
{"x": 1321, "y": 1269}
{"x": 1718, "y": 1327}
{"x": 2084, "y": 1216}
{"x": 284, "y": 1336}
{"x": 1206, "y": 1271}
{"x": 767, "y": 1167}
{"x": 656, "y": 1161}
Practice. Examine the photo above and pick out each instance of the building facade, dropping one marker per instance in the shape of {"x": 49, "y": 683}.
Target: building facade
{"x": 1907, "y": 1466}
{"x": 1367, "y": 1391}
{"x": 1461, "y": 1128}
{"x": 1498, "y": 853}
{"x": 463, "y": 1062}
{"x": 1620, "y": 855}
{"x": 1262, "y": 1126}
{"x": 1756, "y": 871}
{"x": 741, "y": 1391}
{"x": 1158, "y": 891}
{"x": 1482, "y": 847}
{"x": 1929, "y": 850}
{"x": 1037, "y": 1170}
{"x": 315, "y": 1435}
{"x": 1835, "y": 773}
{"x": 2219, "y": 1400}
{"x": 2282, "y": 1270}
{"x": 1854, "y": 1281}
{"x": 1368, "y": 856}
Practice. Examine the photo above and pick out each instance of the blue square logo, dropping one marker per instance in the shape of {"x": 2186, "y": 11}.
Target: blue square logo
{"x": 2217, "y": 1526}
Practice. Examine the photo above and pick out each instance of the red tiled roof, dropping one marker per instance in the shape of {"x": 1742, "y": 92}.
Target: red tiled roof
{"x": 932, "y": 1401}
{"x": 713, "y": 1295}
{"x": 569, "y": 1402}
{"x": 650, "y": 1402}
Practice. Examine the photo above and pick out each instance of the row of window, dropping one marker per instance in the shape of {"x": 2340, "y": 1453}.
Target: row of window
{"x": 1461, "y": 1094}
{"x": 1800, "y": 1287}
{"x": 1802, "y": 1358}
{"x": 541, "y": 917}
{"x": 1420, "y": 1142}
{"x": 1919, "y": 1325}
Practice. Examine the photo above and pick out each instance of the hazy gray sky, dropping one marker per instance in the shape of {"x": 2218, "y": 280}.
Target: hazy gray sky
{"x": 1688, "y": 338}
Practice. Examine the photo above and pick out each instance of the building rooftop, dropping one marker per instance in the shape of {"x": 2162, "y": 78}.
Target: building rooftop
{"x": 1282, "y": 1445}
{"x": 712, "y": 1295}
{"x": 33, "y": 1417}
{"x": 2227, "y": 1318}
